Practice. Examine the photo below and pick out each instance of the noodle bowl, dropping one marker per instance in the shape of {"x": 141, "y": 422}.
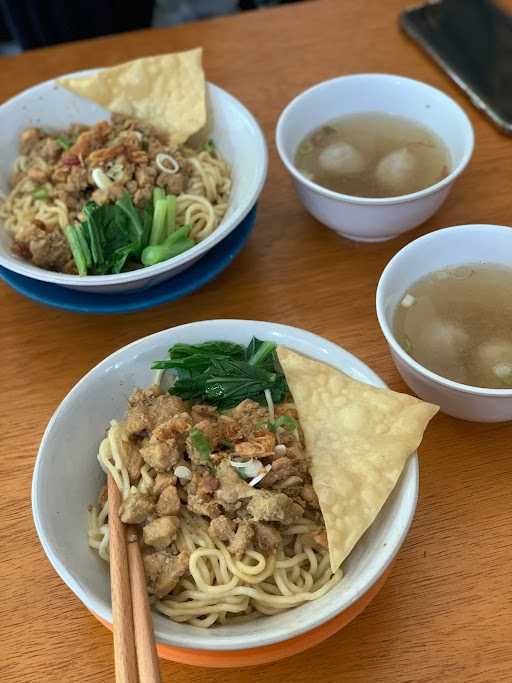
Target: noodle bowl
{"x": 51, "y": 107}
{"x": 67, "y": 479}
{"x": 72, "y": 188}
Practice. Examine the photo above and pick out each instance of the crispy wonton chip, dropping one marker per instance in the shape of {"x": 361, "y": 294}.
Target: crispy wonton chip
{"x": 167, "y": 91}
{"x": 359, "y": 439}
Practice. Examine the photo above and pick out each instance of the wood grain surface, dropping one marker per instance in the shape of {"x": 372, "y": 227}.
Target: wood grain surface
{"x": 446, "y": 612}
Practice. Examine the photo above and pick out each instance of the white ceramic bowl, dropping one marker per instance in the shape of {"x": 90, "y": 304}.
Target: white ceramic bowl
{"x": 233, "y": 127}
{"x": 446, "y": 248}
{"x": 67, "y": 479}
{"x": 373, "y": 219}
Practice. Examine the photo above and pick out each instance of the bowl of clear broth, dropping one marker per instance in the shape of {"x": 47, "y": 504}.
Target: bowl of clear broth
{"x": 444, "y": 307}
{"x": 373, "y": 155}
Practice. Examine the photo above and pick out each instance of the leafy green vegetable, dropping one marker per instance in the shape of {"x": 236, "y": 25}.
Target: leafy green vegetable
{"x": 65, "y": 143}
{"x": 112, "y": 236}
{"x": 120, "y": 256}
{"x": 200, "y": 443}
{"x": 261, "y": 353}
{"x": 230, "y": 382}
{"x": 134, "y": 222}
{"x": 112, "y": 233}
{"x": 222, "y": 374}
{"x": 209, "y": 348}
{"x": 40, "y": 193}
{"x": 194, "y": 359}
{"x": 116, "y": 233}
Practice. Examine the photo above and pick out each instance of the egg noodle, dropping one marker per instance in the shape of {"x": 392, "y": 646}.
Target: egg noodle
{"x": 202, "y": 206}
{"x": 218, "y": 588}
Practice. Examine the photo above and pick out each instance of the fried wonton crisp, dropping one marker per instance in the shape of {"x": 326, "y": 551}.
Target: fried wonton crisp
{"x": 359, "y": 439}
{"x": 167, "y": 91}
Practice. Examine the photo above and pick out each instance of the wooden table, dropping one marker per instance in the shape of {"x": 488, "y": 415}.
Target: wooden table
{"x": 445, "y": 614}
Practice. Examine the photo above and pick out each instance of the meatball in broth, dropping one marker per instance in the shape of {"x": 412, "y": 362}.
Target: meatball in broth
{"x": 457, "y": 323}
{"x": 396, "y": 172}
{"x": 340, "y": 157}
{"x": 373, "y": 155}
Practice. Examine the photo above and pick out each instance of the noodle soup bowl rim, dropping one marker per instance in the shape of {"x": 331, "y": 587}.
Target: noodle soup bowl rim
{"x": 398, "y": 266}
{"x": 242, "y": 123}
{"x": 59, "y": 491}
{"x": 414, "y": 205}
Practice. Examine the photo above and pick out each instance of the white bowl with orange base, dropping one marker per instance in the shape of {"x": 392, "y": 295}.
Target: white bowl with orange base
{"x": 67, "y": 479}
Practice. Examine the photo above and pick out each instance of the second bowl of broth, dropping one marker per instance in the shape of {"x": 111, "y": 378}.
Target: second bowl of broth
{"x": 373, "y": 155}
{"x": 445, "y": 309}
{"x": 457, "y": 322}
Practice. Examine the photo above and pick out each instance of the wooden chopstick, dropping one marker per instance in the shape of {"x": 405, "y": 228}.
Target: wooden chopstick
{"x": 136, "y": 658}
{"x": 122, "y": 617}
{"x": 145, "y": 646}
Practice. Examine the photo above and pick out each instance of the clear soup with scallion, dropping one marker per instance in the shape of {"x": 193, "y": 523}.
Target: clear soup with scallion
{"x": 457, "y": 323}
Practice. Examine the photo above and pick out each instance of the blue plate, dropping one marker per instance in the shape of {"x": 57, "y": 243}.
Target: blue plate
{"x": 204, "y": 270}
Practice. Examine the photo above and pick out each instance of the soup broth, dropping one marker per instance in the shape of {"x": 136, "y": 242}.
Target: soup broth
{"x": 458, "y": 324}
{"x": 373, "y": 155}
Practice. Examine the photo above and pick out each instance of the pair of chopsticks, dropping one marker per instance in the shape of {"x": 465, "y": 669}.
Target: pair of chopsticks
{"x": 136, "y": 658}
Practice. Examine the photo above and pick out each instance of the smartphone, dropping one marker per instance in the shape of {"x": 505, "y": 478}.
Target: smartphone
{"x": 472, "y": 41}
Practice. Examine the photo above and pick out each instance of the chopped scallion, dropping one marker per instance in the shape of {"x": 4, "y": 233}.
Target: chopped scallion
{"x": 158, "y": 193}
{"x": 159, "y": 227}
{"x": 83, "y": 245}
{"x": 175, "y": 244}
{"x": 40, "y": 193}
{"x": 209, "y": 146}
{"x": 261, "y": 353}
{"x": 65, "y": 143}
{"x": 283, "y": 421}
{"x": 93, "y": 235}
{"x": 76, "y": 249}
{"x": 171, "y": 213}
{"x": 201, "y": 443}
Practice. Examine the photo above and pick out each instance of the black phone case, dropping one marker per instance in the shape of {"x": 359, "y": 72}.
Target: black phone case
{"x": 457, "y": 54}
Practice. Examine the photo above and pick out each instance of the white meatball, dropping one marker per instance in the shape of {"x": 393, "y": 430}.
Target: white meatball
{"x": 494, "y": 352}
{"x": 445, "y": 338}
{"x": 393, "y": 171}
{"x": 503, "y": 371}
{"x": 445, "y": 344}
{"x": 340, "y": 157}
{"x": 494, "y": 359}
